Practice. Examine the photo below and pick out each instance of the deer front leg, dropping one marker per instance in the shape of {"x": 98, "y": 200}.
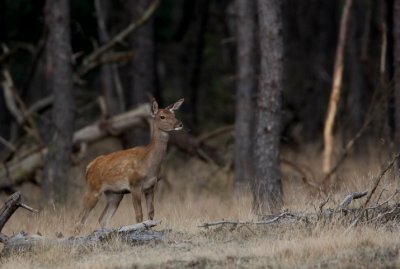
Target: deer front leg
{"x": 149, "y": 195}
{"x": 137, "y": 202}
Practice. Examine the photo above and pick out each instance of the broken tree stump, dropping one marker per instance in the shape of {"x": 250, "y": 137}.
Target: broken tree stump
{"x": 139, "y": 233}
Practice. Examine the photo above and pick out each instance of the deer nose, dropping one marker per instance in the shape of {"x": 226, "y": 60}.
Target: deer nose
{"x": 179, "y": 126}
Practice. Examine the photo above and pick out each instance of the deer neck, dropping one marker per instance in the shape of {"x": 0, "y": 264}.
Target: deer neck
{"x": 157, "y": 147}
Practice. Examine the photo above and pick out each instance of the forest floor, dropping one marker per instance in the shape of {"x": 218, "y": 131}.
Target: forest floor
{"x": 198, "y": 193}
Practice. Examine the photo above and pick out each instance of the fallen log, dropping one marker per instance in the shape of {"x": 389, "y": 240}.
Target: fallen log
{"x": 133, "y": 234}
{"x": 21, "y": 169}
{"x": 139, "y": 233}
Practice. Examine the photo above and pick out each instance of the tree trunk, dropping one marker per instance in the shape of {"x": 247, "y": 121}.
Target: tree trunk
{"x": 142, "y": 70}
{"x": 5, "y": 117}
{"x": 396, "y": 66}
{"x": 195, "y": 51}
{"x": 267, "y": 186}
{"x": 59, "y": 82}
{"x": 245, "y": 89}
{"x": 109, "y": 72}
{"x": 335, "y": 92}
{"x": 357, "y": 85}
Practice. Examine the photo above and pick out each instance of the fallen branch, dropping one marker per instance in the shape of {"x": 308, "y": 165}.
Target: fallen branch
{"x": 118, "y": 123}
{"x": 106, "y": 59}
{"x": 41, "y": 104}
{"x": 261, "y": 222}
{"x": 216, "y": 133}
{"x": 195, "y": 147}
{"x": 11, "y": 205}
{"x": 15, "y": 104}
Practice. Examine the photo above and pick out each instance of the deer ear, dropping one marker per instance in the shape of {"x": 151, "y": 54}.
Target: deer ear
{"x": 174, "y": 107}
{"x": 154, "y": 108}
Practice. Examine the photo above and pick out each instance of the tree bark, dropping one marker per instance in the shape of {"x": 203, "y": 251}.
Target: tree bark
{"x": 109, "y": 72}
{"x": 335, "y": 92}
{"x": 396, "y": 66}
{"x": 5, "y": 117}
{"x": 59, "y": 82}
{"x": 267, "y": 186}
{"x": 195, "y": 50}
{"x": 142, "y": 70}
{"x": 246, "y": 87}
{"x": 357, "y": 85}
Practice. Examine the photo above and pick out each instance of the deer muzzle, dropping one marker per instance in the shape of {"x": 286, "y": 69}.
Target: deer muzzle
{"x": 178, "y": 126}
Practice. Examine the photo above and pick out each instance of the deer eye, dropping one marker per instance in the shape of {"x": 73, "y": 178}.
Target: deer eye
{"x": 162, "y": 117}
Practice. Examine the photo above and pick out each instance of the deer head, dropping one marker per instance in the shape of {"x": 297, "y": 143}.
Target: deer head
{"x": 164, "y": 118}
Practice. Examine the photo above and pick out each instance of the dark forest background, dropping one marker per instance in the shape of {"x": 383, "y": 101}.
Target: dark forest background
{"x": 239, "y": 64}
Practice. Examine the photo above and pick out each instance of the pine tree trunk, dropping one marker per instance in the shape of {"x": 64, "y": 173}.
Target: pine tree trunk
{"x": 246, "y": 88}
{"x": 396, "y": 65}
{"x": 194, "y": 62}
{"x": 59, "y": 82}
{"x": 5, "y": 117}
{"x": 357, "y": 84}
{"x": 336, "y": 90}
{"x": 142, "y": 70}
{"x": 109, "y": 72}
{"x": 267, "y": 186}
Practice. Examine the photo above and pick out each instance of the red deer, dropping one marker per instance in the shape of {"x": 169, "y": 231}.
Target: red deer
{"x": 135, "y": 170}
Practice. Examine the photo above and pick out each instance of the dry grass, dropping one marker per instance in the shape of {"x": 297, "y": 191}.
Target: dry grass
{"x": 199, "y": 193}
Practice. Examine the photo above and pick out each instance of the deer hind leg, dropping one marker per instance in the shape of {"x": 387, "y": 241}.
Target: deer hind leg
{"x": 113, "y": 201}
{"x": 137, "y": 203}
{"x": 89, "y": 202}
{"x": 149, "y": 195}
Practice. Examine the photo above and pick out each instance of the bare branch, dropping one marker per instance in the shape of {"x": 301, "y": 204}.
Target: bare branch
{"x": 380, "y": 176}
{"x": 9, "y": 145}
{"x": 120, "y": 36}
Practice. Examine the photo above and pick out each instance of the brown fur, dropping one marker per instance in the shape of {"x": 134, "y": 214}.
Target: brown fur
{"x": 134, "y": 170}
